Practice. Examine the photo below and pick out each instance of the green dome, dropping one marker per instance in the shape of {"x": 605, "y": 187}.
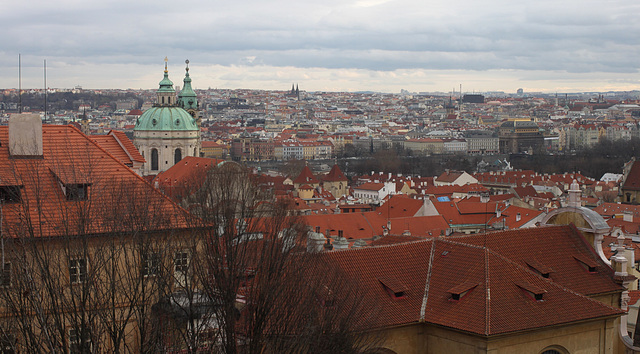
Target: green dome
{"x": 166, "y": 118}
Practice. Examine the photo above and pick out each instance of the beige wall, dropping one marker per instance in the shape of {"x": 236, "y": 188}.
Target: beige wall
{"x": 599, "y": 336}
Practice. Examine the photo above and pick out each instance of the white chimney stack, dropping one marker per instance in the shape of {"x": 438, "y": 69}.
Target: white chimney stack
{"x": 25, "y": 135}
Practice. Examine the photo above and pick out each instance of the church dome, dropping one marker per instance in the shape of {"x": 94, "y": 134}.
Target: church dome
{"x": 166, "y": 118}
{"x": 166, "y": 114}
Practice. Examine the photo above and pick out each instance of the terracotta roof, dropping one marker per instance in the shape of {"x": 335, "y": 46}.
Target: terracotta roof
{"x": 370, "y": 186}
{"x": 353, "y": 225}
{"x": 551, "y": 246}
{"x": 335, "y": 175}
{"x": 186, "y": 176}
{"x": 608, "y": 210}
{"x": 127, "y": 145}
{"x": 306, "y": 177}
{"x": 120, "y": 146}
{"x": 400, "y": 206}
{"x": 450, "y": 176}
{"x": 73, "y": 160}
{"x": 428, "y": 273}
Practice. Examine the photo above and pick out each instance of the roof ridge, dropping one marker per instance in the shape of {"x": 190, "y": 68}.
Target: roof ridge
{"x": 425, "y": 297}
{"x": 487, "y": 287}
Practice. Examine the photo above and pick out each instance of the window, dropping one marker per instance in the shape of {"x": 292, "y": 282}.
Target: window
{"x": 5, "y": 276}
{"x": 79, "y": 343}
{"x": 177, "y": 156}
{"x": 77, "y": 191}
{"x": 154, "y": 159}
{"x": 7, "y": 343}
{"x": 181, "y": 261}
{"x": 150, "y": 264}
{"x": 77, "y": 270}
{"x": 10, "y": 194}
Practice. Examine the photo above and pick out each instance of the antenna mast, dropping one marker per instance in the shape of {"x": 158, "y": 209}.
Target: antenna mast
{"x": 45, "y": 90}
{"x": 19, "y": 83}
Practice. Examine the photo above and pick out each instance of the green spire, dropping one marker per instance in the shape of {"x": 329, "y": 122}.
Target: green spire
{"x": 166, "y": 85}
{"x": 187, "y": 98}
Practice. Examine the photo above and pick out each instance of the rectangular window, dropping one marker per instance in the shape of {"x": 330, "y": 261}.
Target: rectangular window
{"x": 77, "y": 191}
{"x": 5, "y": 276}
{"x": 77, "y": 270}
{"x": 10, "y": 194}
{"x": 181, "y": 261}
{"x": 150, "y": 264}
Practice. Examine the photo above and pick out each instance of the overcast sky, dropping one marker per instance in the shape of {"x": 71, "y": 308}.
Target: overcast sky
{"x": 330, "y": 45}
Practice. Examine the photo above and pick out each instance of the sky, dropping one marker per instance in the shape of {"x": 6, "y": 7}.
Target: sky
{"x": 328, "y": 45}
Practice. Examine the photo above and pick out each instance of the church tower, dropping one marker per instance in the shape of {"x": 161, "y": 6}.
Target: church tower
{"x": 187, "y": 98}
{"x": 166, "y": 132}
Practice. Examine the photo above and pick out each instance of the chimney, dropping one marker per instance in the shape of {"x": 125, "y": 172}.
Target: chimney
{"x": 315, "y": 241}
{"x": 25, "y": 135}
{"x": 359, "y": 243}
{"x": 627, "y": 216}
{"x": 328, "y": 246}
{"x": 340, "y": 243}
{"x": 518, "y": 217}
{"x": 574, "y": 195}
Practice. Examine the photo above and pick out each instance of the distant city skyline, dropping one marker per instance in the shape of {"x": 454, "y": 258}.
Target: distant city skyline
{"x": 348, "y": 45}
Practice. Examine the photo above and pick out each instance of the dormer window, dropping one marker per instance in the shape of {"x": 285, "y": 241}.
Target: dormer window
{"x": 77, "y": 191}
{"x": 458, "y": 292}
{"x": 10, "y": 194}
{"x": 393, "y": 287}
{"x": 588, "y": 264}
{"x": 531, "y": 290}
{"x": 539, "y": 268}
{"x": 73, "y": 182}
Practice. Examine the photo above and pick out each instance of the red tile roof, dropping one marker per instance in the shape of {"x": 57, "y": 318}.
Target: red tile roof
{"x": 496, "y": 298}
{"x": 335, "y": 175}
{"x": 370, "y": 186}
{"x": 120, "y": 146}
{"x": 70, "y": 157}
{"x": 306, "y": 177}
{"x": 183, "y": 178}
{"x": 449, "y": 176}
{"x": 400, "y": 206}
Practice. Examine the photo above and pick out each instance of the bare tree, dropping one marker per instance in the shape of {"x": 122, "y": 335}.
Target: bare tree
{"x": 262, "y": 289}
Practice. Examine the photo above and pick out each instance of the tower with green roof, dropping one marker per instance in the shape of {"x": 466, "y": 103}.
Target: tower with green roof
{"x": 187, "y": 97}
{"x": 167, "y": 132}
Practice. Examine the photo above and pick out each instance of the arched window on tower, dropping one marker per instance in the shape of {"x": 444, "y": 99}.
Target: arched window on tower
{"x": 154, "y": 159}
{"x": 177, "y": 156}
